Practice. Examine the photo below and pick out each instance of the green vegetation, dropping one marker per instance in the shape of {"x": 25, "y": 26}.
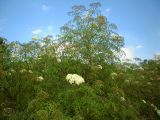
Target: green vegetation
{"x": 33, "y": 83}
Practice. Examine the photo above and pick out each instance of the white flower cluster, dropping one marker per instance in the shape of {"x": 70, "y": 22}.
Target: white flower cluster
{"x": 30, "y": 71}
{"x": 123, "y": 99}
{"x": 156, "y": 109}
{"x": 127, "y": 81}
{"x": 149, "y": 83}
{"x": 99, "y": 66}
{"x": 58, "y": 60}
{"x": 144, "y": 101}
{"x": 12, "y": 70}
{"x": 158, "y": 112}
{"x": 39, "y": 79}
{"x": 140, "y": 68}
{"x": 23, "y": 71}
{"x": 113, "y": 75}
{"x": 74, "y": 78}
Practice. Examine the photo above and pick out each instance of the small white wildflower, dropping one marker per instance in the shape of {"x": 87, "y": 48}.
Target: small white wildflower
{"x": 113, "y": 75}
{"x": 8, "y": 111}
{"x": 40, "y": 78}
{"x": 149, "y": 83}
{"x": 144, "y": 101}
{"x": 152, "y": 105}
{"x": 140, "y": 68}
{"x": 99, "y": 66}
{"x": 127, "y": 81}
{"x": 113, "y": 36}
{"x": 74, "y": 78}
{"x": 23, "y": 71}
{"x": 136, "y": 82}
{"x": 30, "y": 71}
{"x": 73, "y": 48}
{"x": 158, "y": 112}
{"x": 12, "y": 70}
{"x": 59, "y": 60}
{"x": 13, "y": 55}
{"x": 151, "y": 79}
{"x": 9, "y": 74}
{"x": 123, "y": 99}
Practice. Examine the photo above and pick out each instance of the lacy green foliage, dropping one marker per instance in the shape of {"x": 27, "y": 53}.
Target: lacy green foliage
{"x": 116, "y": 110}
{"x": 88, "y": 36}
{"x": 44, "y": 109}
{"x": 41, "y": 115}
{"x": 42, "y": 95}
{"x": 17, "y": 87}
{"x": 81, "y": 101}
{"x": 90, "y": 104}
{"x": 113, "y": 91}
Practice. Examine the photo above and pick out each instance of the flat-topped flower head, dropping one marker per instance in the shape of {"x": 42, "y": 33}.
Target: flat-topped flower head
{"x": 158, "y": 112}
{"x": 99, "y": 66}
{"x": 9, "y": 74}
{"x": 140, "y": 68}
{"x": 123, "y": 99}
{"x": 69, "y": 78}
{"x": 149, "y": 83}
{"x": 127, "y": 81}
{"x": 155, "y": 107}
{"x": 58, "y": 60}
{"x": 144, "y": 101}
{"x": 30, "y": 71}
{"x": 12, "y": 70}
{"x": 74, "y": 78}
{"x": 8, "y": 111}
{"x": 39, "y": 79}
{"x": 113, "y": 75}
{"x": 23, "y": 71}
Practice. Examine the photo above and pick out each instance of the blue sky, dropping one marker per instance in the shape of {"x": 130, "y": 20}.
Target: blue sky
{"x": 138, "y": 21}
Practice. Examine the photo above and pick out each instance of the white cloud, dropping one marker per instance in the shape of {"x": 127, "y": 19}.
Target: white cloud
{"x": 45, "y": 8}
{"x": 158, "y": 53}
{"x": 131, "y": 51}
{"x": 128, "y": 53}
{"x": 157, "y": 56}
{"x": 108, "y": 10}
{"x": 37, "y": 31}
{"x": 139, "y": 46}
